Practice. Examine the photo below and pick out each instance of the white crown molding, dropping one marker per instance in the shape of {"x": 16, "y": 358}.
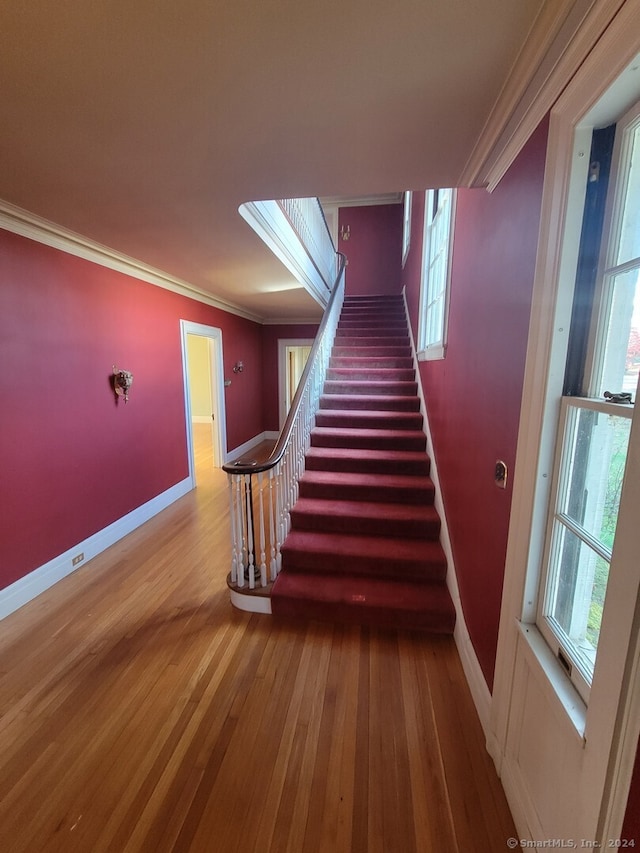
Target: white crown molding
{"x": 292, "y": 321}
{"x": 361, "y": 201}
{"x": 560, "y": 40}
{"x": 19, "y": 221}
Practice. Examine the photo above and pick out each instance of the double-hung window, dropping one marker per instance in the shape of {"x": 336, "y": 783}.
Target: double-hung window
{"x": 436, "y": 265}
{"x": 594, "y": 430}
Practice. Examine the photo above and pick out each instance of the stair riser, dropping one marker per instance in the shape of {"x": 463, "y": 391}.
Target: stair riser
{"x": 344, "y": 340}
{"x": 371, "y": 329}
{"x": 339, "y": 363}
{"x": 420, "y": 495}
{"x": 362, "y": 402}
{"x": 367, "y": 420}
{"x": 303, "y": 561}
{"x": 343, "y": 351}
{"x": 358, "y": 525}
{"x": 395, "y": 389}
{"x": 367, "y": 442}
{"x": 367, "y": 466}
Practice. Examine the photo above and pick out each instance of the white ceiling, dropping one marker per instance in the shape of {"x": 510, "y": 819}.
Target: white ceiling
{"x": 144, "y": 124}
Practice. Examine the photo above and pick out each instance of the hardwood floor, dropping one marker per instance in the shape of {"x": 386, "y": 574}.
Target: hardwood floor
{"x": 141, "y": 712}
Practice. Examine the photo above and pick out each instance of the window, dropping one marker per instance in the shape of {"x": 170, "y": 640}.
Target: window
{"x": 406, "y": 226}
{"x": 594, "y": 432}
{"x": 436, "y": 263}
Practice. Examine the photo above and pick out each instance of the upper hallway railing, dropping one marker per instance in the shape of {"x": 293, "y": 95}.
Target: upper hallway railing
{"x": 296, "y": 231}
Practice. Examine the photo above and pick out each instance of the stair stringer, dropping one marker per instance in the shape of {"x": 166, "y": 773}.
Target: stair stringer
{"x": 473, "y": 672}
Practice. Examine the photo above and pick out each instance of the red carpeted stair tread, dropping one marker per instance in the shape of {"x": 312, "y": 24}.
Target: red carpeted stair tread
{"x": 347, "y": 485}
{"x": 364, "y": 362}
{"x": 401, "y": 351}
{"x": 425, "y": 607}
{"x": 370, "y": 402}
{"x": 366, "y": 518}
{"x": 367, "y": 461}
{"x": 379, "y": 556}
{"x": 376, "y": 374}
{"x": 372, "y": 439}
{"x": 349, "y": 419}
{"x": 344, "y": 386}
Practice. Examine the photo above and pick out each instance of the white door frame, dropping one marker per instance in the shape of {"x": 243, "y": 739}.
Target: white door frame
{"x": 607, "y": 745}
{"x": 217, "y": 391}
{"x": 283, "y": 343}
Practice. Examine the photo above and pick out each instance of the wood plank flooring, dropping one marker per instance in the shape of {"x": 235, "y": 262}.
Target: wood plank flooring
{"x": 140, "y": 712}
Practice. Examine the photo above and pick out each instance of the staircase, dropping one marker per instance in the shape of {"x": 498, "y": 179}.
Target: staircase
{"x": 364, "y": 542}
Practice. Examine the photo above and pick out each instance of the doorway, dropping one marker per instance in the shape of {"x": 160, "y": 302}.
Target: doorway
{"x": 292, "y": 358}
{"x": 203, "y": 371}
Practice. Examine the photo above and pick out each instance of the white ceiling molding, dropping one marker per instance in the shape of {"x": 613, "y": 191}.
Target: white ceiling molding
{"x": 360, "y": 201}
{"x": 561, "y": 39}
{"x": 19, "y": 221}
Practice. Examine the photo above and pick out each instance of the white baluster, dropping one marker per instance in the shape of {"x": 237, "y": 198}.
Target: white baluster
{"x": 263, "y": 563}
{"x": 234, "y": 537}
{"x": 240, "y": 540}
{"x": 250, "y": 543}
{"x": 273, "y": 564}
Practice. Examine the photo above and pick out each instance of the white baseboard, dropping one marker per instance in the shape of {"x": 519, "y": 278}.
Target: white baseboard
{"x": 27, "y": 588}
{"x": 473, "y": 672}
{"x": 246, "y": 448}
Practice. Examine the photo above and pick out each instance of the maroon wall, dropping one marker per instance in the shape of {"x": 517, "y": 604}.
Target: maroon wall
{"x": 270, "y": 337}
{"x": 474, "y": 394}
{"x": 72, "y": 460}
{"x": 374, "y": 248}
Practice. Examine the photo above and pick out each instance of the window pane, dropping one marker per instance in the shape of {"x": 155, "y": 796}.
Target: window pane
{"x": 577, "y": 601}
{"x": 594, "y": 461}
{"x": 622, "y": 348}
{"x": 629, "y": 247}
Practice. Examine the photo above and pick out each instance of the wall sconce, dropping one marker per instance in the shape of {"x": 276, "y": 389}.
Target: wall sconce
{"x": 122, "y": 381}
{"x": 238, "y": 367}
{"x": 345, "y": 232}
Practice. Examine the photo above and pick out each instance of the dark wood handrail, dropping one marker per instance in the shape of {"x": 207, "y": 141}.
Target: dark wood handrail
{"x": 252, "y": 466}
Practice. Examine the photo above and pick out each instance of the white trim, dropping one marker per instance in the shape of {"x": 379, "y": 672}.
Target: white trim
{"x": 27, "y": 588}
{"x": 19, "y": 221}
{"x": 250, "y": 603}
{"x": 217, "y": 390}
{"x": 406, "y": 225}
{"x": 560, "y": 41}
{"x": 473, "y": 672}
{"x": 283, "y": 343}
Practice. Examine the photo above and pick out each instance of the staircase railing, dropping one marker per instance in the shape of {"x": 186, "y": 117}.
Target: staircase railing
{"x": 261, "y": 494}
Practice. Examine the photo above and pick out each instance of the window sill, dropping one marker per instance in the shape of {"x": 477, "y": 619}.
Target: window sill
{"x": 431, "y": 353}
{"x": 556, "y": 679}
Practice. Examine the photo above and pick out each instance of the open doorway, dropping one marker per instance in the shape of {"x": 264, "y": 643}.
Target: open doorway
{"x": 204, "y": 396}
{"x": 292, "y": 357}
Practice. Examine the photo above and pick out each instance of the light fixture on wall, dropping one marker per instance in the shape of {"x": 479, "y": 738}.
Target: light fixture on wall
{"x": 345, "y": 232}
{"x": 238, "y": 367}
{"x": 122, "y": 381}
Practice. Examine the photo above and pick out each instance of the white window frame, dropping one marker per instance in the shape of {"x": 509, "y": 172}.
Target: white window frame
{"x": 435, "y": 283}
{"x": 406, "y": 225}
{"x": 575, "y": 660}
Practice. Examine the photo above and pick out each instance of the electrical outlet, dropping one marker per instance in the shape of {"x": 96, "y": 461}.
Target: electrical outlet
{"x": 77, "y": 559}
